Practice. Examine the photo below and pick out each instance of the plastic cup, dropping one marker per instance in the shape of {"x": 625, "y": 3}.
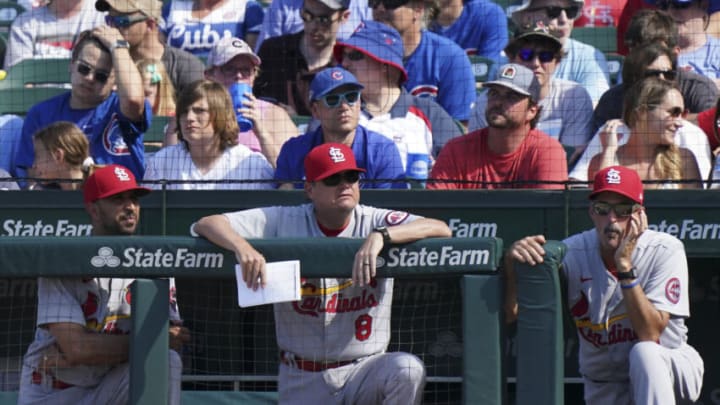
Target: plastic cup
{"x": 237, "y": 93}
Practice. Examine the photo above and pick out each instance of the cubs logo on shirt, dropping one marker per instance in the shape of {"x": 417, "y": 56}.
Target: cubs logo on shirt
{"x": 112, "y": 139}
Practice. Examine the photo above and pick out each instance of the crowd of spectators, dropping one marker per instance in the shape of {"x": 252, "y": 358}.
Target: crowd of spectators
{"x": 389, "y": 78}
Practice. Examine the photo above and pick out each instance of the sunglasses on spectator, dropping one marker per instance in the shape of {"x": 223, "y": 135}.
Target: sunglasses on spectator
{"x": 124, "y": 21}
{"x": 529, "y": 54}
{"x": 621, "y": 210}
{"x": 98, "y": 75}
{"x": 324, "y": 20}
{"x": 350, "y": 177}
{"x": 334, "y": 100}
{"x": 554, "y": 11}
{"x": 228, "y": 70}
{"x": 677, "y": 5}
{"x": 388, "y": 4}
{"x": 354, "y": 55}
{"x": 666, "y": 74}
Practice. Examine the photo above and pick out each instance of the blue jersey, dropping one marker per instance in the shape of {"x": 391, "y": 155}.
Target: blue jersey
{"x": 481, "y": 29}
{"x": 235, "y": 18}
{"x": 438, "y": 68}
{"x": 373, "y": 152}
{"x": 113, "y": 138}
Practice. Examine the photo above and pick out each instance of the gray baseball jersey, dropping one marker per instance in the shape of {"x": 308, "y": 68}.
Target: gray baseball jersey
{"x": 334, "y": 320}
{"x": 99, "y": 304}
{"x": 596, "y": 301}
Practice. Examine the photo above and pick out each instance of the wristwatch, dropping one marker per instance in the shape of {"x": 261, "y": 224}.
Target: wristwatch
{"x": 121, "y": 43}
{"x": 382, "y": 230}
{"x": 627, "y": 275}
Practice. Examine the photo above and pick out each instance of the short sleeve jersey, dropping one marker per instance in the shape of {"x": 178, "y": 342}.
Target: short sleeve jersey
{"x": 334, "y": 319}
{"x": 596, "y": 301}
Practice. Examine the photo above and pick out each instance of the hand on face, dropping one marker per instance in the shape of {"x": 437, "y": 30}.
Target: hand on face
{"x": 635, "y": 226}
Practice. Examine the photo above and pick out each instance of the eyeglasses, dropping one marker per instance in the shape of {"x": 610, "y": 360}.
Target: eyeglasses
{"x": 666, "y": 74}
{"x": 354, "y": 55}
{"x": 350, "y": 177}
{"x": 98, "y": 75}
{"x": 124, "y": 21}
{"x": 228, "y": 70}
{"x": 388, "y": 4}
{"x": 334, "y": 100}
{"x": 324, "y": 20}
{"x": 664, "y": 5}
{"x": 622, "y": 210}
{"x": 554, "y": 11}
{"x": 528, "y": 54}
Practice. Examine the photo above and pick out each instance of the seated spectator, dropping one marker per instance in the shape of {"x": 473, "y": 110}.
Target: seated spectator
{"x": 49, "y": 31}
{"x": 159, "y": 90}
{"x": 581, "y": 63}
{"x": 649, "y": 29}
{"x": 208, "y": 148}
{"x": 477, "y": 26}
{"x": 291, "y": 60}
{"x": 113, "y": 121}
{"x": 10, "y": 136}
{"x": 283, "y": 17}
{"x": 566, "y": 107}
{"x": 62, "y": 154}
{"x": 139, "y": 23}
{"x": 196, "y": 25}
{"x": 232, "y": 61}
{"x": 437, "y": 67}
{"x": 416, "y": 124}
{"x": 709, "y": 122}
{"x": 652, "y": 111}
{"x": 601, "y": 13}
{"x": 699, "y": 51}
{"x": 510, "y": 152}
{"x": 335, "y": 101}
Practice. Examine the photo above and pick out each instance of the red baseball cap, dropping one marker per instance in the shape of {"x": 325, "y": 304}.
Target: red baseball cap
{"x": 110, "y": 180}
{"x": 327, "y": 159}
{"x": 620, "y": 180}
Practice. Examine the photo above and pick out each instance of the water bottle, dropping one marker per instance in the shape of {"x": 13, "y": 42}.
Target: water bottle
{"x": 715, "y": 185}
{"x": 418, "y": 168}
{"x": 237, "y": 93}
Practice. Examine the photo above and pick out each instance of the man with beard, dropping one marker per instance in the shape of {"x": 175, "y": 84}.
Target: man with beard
{"x": 81, "y": 347}
{"x": 510, "y": 152}
{"x": 627, "y": 290}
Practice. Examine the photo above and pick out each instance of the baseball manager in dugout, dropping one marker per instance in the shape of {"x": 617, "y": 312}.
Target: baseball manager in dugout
{"x": 333, "y": 341}
{"x": 628, "y": 296}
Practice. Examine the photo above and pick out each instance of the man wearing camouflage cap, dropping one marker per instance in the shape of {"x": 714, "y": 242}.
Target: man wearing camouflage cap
{"x": 510, "y": 152}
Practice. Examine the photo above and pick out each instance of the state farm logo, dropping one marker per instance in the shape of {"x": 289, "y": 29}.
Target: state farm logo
{"x": 105, "y": 257}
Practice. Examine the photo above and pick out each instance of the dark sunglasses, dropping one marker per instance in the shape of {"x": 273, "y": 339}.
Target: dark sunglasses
{"x": 388, "y": 4}
{"x": 665, "y": 5}
{"x": 666, "y": 74}
{"x": 529, "y": 54}
{"x": 324, "y": 20}
{"x": 622, "y": 210}
{"x": 354, "y": 55}
{"x": 124, "y": 21}
{"x": 554, "y": 11}
{"x": 98, "y": 75}
{"x": 334, "y": 100}
{"x": 350, "y": 177}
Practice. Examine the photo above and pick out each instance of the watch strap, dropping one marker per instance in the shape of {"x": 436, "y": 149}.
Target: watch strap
{"x": 627, "y": 275}
{"x": 382, "y": 230}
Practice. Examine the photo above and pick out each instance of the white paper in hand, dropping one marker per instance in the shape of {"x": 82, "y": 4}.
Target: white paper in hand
{"x": 283, "y": 285}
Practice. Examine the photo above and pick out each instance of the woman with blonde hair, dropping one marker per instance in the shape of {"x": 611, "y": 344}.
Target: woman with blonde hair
{"x": 159, "y": 90}
{"x": 62, "y": 157}
{"x": 653, "y": 111}
{"x": 208, "y": 155}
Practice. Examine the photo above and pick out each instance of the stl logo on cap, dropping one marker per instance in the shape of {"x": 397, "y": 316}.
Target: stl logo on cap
{"x": 121, "y": 174}
{"x": 613, "y": 177}
{"x": 508, "y": 72}
{"x": 336, "y": 155}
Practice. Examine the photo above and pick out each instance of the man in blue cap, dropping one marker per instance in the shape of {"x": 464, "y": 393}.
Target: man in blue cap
{"x": 335, "y": 104}
{"x": 417, "y": 125}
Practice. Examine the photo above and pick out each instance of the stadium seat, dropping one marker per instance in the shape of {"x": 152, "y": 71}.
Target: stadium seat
{"x": 615, "y": 64}
{"x": 18, "y": 100}
{"x": 602, "y": 38}
{"x": 8, "y": 11}
{"x": 481, "y": 67}
{"x": 38, "y": 73}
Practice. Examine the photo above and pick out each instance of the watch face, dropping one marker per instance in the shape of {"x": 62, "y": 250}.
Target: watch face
{"x": 121, "y": 43}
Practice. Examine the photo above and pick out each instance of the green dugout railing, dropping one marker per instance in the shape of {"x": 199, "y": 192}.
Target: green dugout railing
{"x": 474, "y": 260}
